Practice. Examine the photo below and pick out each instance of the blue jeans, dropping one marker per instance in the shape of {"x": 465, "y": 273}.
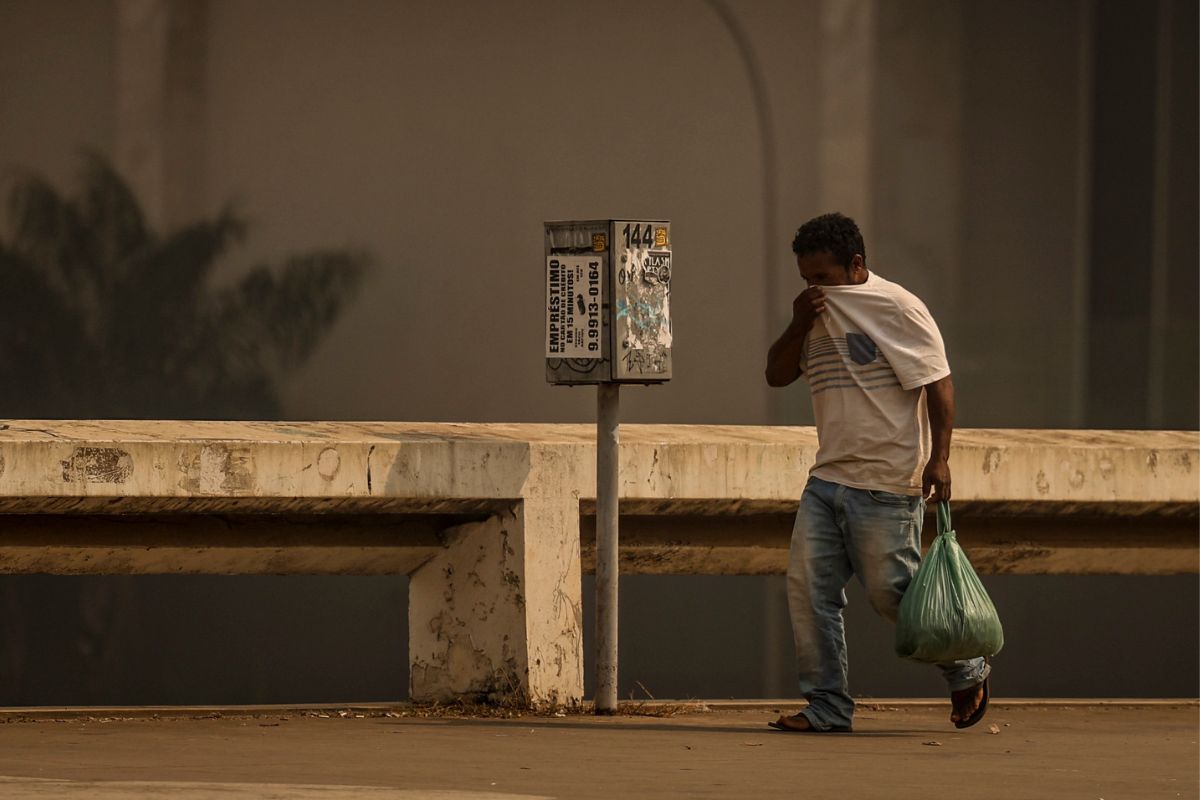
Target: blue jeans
{"x": 841, "y": 531}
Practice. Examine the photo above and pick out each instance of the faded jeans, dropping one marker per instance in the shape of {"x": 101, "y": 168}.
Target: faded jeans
{"x": 841, "y": 531}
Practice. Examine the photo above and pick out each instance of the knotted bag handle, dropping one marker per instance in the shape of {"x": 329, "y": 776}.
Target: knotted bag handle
{"x": 943, "y": 514}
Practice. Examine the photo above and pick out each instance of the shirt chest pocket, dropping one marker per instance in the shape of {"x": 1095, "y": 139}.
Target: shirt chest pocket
{"x": 862, "y": 349}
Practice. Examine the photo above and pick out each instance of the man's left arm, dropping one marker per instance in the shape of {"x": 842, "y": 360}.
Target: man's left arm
{"x": 939, "y": 399}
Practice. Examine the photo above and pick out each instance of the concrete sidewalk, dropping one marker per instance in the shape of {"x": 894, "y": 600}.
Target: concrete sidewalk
{"x": 898, "y": 751}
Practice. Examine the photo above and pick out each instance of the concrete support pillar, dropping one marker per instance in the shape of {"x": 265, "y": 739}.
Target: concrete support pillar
{"x": 891, "y": 123}
{"x": 845, "y": 121}
{"x": 160, "y": 102}
{"x": 497, "y": 615}
{"x": 918, "y": 149}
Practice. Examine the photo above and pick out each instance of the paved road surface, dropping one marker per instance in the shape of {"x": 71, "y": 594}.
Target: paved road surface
{"x": 907, "y": 752}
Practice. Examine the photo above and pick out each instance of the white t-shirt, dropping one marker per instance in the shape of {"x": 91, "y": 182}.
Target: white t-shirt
{"x": 866, "y": 359}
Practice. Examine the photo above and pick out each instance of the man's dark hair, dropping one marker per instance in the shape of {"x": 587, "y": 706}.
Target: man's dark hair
{"x": 835, "y": 233}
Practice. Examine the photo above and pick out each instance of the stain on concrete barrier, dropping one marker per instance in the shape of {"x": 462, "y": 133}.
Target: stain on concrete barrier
{"x": 328, "y": 463}
{"x": 97, "y": 465}
{"x": 218, "y": 469}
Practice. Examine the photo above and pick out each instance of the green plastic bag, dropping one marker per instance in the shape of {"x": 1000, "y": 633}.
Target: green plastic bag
{"x": 946, "y": 615}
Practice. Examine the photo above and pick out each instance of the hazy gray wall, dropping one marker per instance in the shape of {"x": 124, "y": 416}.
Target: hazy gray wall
{"x": 439, "y": 137}
{"x": 1016, "y": 306}
{"x": 1181, "y": 323}
{"x": 56, "y": 82}
{"x": 444, "y": 135}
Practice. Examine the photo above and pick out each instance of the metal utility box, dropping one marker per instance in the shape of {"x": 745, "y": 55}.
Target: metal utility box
{"x": 608, "y": 301}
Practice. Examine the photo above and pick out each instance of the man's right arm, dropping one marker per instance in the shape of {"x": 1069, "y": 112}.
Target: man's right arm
{"x": 783, "y": 359}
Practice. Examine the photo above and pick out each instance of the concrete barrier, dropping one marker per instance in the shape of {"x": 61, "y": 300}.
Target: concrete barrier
{"x": 494, "y": 525}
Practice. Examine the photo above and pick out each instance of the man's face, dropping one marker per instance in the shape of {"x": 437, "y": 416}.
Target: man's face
{"x": 819, "y": 269}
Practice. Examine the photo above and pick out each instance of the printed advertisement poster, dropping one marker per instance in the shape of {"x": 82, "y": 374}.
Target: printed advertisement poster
{"x": 574, "y": 296}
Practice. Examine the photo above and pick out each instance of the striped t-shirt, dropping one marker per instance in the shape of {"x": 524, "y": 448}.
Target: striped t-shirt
{"x": 866, "y": 361}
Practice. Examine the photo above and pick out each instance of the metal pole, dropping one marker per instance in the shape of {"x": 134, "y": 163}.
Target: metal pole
{"x": 608, "y": 415}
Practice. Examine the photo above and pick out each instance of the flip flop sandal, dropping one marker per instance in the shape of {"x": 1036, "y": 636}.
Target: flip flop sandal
{"x": 979, "y": 712}
{"x": 781, "y": 725}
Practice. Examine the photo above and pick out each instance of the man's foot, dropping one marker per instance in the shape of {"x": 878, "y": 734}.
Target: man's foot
{"x": 798, "y": 723}
{"x": 969, "y": 705}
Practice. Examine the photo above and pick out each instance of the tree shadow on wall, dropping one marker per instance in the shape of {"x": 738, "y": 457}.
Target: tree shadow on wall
{"x": 105, "y": 317}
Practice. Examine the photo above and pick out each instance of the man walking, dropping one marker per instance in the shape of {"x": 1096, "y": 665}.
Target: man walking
{"x": 884, "y": 406}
